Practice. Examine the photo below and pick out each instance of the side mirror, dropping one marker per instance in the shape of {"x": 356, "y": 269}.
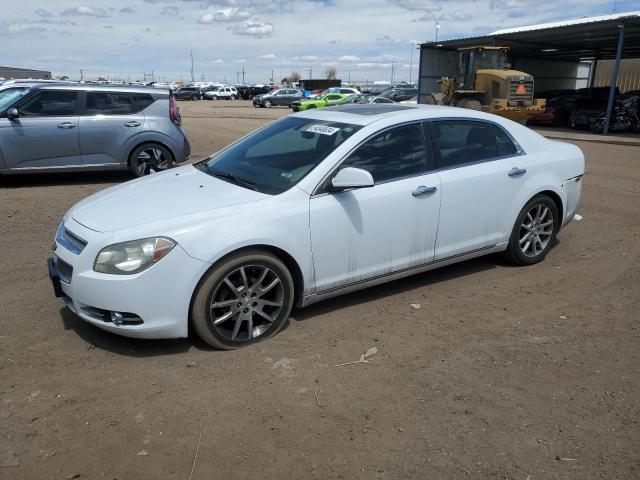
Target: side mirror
{"x": 352, "y": 178}
{"x": 12, "y": 114}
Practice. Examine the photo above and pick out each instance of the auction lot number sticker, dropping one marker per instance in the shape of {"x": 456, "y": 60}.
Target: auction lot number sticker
{"x": 323, "y": 129}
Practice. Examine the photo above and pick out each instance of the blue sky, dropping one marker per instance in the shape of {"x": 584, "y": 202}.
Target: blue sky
{"x": 361, "y": 39}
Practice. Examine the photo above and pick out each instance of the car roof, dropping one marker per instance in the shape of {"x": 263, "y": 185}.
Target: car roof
{"x": 101, "y": 87}
{"x": 365, "y": 114}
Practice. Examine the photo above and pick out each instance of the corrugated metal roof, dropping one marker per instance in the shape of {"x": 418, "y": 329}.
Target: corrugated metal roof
{"x": 566, "y": 23}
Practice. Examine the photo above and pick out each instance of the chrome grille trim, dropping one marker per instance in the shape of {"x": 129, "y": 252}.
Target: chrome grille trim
{"x": 69, "y": 240}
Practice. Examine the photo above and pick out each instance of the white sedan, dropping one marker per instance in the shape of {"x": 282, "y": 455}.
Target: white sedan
{"x": 313, "y": 205}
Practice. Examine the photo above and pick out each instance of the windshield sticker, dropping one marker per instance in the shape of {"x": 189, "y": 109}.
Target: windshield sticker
{"x": 322, "y": 129}
{"x": 286, "y": 174}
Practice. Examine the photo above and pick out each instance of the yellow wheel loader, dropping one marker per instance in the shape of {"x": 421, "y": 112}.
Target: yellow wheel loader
{"x": 486, "y": 82}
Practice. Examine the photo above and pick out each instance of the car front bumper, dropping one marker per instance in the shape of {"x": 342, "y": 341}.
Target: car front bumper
{"x": 151, "y": 304}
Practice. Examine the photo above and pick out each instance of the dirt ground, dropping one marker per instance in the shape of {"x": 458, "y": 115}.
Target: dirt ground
{"x": 504, "y": 372}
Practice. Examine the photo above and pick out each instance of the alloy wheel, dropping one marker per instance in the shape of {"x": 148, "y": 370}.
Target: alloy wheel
{"x": 246, "y": 302}
{"x": 536, "y": 230}
{"x": 151, "y": 160}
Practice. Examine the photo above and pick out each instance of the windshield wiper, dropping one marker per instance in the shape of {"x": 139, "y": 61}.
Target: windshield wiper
{"x": 235, "y": 179}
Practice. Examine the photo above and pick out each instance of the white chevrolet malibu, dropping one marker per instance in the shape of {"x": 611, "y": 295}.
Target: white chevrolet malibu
{"x": 313, "y": 205}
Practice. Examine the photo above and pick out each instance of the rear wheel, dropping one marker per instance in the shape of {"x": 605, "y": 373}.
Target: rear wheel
{"x": 194, "y": 97}
{"x": 246, "y": 299}
{"x": 597, "y": 126}
{"x": 150, "y": 158}
{"x": 534, "y": 232}
{"x": 267, "y": 103}
{"x": 311, "y": 107}
{"x": 470, "y": 104}
{"x": 233, "y": 97}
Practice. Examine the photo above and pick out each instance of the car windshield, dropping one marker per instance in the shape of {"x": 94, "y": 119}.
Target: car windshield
{"x": 9, "y": 95}
{"x": 273, "y": 159}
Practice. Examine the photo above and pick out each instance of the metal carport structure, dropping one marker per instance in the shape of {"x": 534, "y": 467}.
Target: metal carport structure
{"x": 551, "y": 47}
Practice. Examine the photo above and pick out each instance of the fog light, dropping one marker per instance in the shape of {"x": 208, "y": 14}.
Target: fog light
{"x": 117, "y": 319}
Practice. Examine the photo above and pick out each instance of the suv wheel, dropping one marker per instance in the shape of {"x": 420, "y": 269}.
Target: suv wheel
{"x": 194, "y": 97}
{"x": 233, "y": 97}
{"x": 245, "y": 299}
{"x": 267, "y": 103}
{"x": 150, "y": 158}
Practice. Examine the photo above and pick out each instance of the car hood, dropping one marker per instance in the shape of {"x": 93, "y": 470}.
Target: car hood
{"x": 160, "y": 196}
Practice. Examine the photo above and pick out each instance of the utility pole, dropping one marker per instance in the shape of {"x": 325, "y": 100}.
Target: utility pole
{"x": 192, "y": 79}
{"x": 81, "y": 75}
{"x": 391, "y": 73}
{"x": 242, "y": 76}
{"x": 437, "y": 28}
{"x": 272, "y": 75}
{"x": 238, "y": 75}
{"x": 310, "y": 73}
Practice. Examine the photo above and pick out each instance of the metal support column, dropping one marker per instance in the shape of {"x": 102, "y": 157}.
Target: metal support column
{"x": 592, "y": 72}
{"x": 614, "y": 79}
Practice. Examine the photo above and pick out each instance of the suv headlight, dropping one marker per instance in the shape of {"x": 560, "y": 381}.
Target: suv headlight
{"x": 132, "y": 257}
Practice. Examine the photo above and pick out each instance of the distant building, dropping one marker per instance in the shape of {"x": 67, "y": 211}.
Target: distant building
{"x": 7, "y": 73}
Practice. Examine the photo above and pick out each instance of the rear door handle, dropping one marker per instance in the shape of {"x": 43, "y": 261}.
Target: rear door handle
{"x": 132, "y": 123}
{"x": 66, "y": 125}
{"x": 423, "y": 190}
{"x": 516, "y": 172}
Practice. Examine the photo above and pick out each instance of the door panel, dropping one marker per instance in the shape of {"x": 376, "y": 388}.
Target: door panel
{"x": 106, "y": 126}
{"x": 367, "y": 232}
{"x": 32, "y": 142}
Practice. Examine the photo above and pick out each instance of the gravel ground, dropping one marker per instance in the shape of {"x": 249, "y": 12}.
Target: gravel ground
{"x": 504, "y": 372}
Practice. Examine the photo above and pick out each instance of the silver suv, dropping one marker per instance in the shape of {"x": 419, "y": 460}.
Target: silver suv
{"x": 64, "y": 127}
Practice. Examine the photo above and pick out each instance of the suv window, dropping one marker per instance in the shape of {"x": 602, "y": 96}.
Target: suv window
{"x": 463, "y": 141}
{"x": 109, "y": 103}
{"x": 50, "y": 103}
{"x": 391, "y": 155}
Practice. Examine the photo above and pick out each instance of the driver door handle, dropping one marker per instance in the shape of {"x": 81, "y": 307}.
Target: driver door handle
{"x": 423, "y": 190}
{"x": 66, "y": 125}
{"x": 516, "y": 172}
{"x": 132, "y": 123}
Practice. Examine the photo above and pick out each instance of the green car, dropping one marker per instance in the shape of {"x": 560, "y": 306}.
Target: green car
{"x": 318, "y": 102}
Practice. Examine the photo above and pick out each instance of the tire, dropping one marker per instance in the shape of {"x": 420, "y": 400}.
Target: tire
{"x": 240, "y": 307}
{"x": 150, "y": 158}
{"x": 267, "y": 104}
{"x": 469, "y": 103}
{"x": 233, "y": 97}
{"x": 429, "y": 100}
{"x": 214, "y": 97}
{"x": 542, "y": 212}
{"x": 194, "y": 97}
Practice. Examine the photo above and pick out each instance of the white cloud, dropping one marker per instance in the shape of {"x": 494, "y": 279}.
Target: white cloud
{"x": 240, "y": 60}
{"x": 383, "y": 38}
{"x": 83, "y": 10}
{"x": 253, "y": 29}
{"x": 349, "y": 58}
{"x": 218, "y": 61}
{"x": 267, "y": 56}
{"x": 127, "y": 10}
{"x": 225, "y": 15}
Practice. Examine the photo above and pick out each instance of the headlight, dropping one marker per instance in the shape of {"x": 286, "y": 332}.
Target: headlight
{"x": 132, "y": 257}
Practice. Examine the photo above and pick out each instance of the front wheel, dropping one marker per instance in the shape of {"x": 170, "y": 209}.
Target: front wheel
{"x": 194, "y": 97}
{"x": 245, "y": 299}
{"x": 597, "y": 126}
{"x": 534, "y": 232}
{"x": 233, "y": 97}
{"x": 267, "y": 104}
{"x": 150, "y": 158}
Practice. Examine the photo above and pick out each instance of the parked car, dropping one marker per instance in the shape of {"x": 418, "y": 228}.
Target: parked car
{"x": 625, "y": 116}
{"x": 222, "y": 93}
{"x": 283, "y": 97}
{"x": 363, "y": 99}
{"x": 187, "y": 93}
{"x": 208, "y": 88}
{"x": 381, "y": 192}
{"x": 398, "y": 94}
{"x": 244, "y": 91}
{"x": 259, "y": 90}
{"x": 317, "y": 102}
{"x": 64, "y": 127}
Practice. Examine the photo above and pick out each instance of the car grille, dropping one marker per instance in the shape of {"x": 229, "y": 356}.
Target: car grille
{"x": 64, "y": 270}
{"x": 70, "y": 241}
{"x": 519, "y": 96}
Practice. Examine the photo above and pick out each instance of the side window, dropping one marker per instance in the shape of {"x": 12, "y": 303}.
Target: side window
{"x": 50, "y": 103}
{"x": 109, "y": 103}
{"x": 506, "y": 146}
{"x": 141, "y": 101}
{"x": 333, "y": 97}
{"x": 393, "y": 154}
{"x": 460, "y": 141}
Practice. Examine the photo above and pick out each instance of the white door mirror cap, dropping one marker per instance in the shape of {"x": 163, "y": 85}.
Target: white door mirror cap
{"x": 351, "y": 177}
